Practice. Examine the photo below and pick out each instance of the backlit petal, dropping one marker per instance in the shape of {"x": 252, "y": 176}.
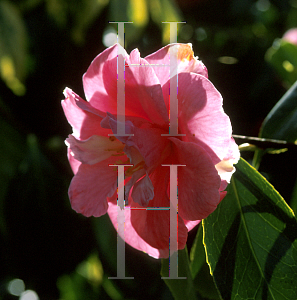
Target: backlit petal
{"x": 95, "y": 149}
{"x": 91, "y": 186}
{"x": 160, "y": 61}
{"x": 84, "y": 119}
{"x": 198, "y": 181}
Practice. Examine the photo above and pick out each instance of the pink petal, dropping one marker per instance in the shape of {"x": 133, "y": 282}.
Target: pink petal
{"x": 225, "y": 167}
{"x": 201, "y": 116}
{"x": 131, "y": 236}
{"x": 291, "y": 36}
{"x": 84, "y": 119}
{"x": 137, "y": 172}
{"x": 143, "y": 93}
{"x": 153, "y": 147}
{"x": 100, "y": 81}
{"x": 94, "y": 149}
{"x": 143, "y": 89}
{"x": 186, "y": 62}
{"x": 198, "y": 181}
{"x": 153, "y": 225}
{"x": 143, "y": 191}
{"x": 191, "y": 224}
{"x": 75, "y": 164}
{"x": 91, "y": 185}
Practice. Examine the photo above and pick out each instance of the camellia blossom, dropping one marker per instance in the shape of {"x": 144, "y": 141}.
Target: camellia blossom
{"x": 291, "y": 36}
{"x": 206, "y": 148}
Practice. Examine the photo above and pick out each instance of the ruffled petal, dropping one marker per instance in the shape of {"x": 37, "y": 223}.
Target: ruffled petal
{"x": 191, "y": 224}
{"x": 100, "y": 80}
{"x": 143, "y": 191}
{"x": 90, "y": 187}
{"x": 143, "y": 93}
{"x": 201, "y": 116}
{"x": 131, "y": 236}
{"x": 153, "y": 147}
{"x": 225, "y": 167}
{"x": 75, "y": 164}
{"x": 198, "y": 181}
{"x": 137, "y": 171}
{"x": 143, "y": 90}
{"x": 94, "y": 149}
{"x": 160, "y": 61}
{"x": 84, "y": 119}
{"x": 153, "y": 226}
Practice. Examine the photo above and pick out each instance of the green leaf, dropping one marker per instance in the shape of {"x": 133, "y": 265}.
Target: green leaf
{"x": 180, "y": 288}
{"x": 283, "y": 57}
{"x": 293, "y": 202}
{"x": 281, "y": 122}
{"x": 203, "y": 281}
{"x": 13, "y": 48}
{"x": 251, "y": 242}
{"x": 76, "y": 16}
{"x": 130, "y": 11}
{"x": 197, "y": 255}
{"x": 165, "y": 11}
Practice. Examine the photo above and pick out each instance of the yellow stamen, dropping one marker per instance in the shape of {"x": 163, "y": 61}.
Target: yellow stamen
{"x": 185, "y": 52}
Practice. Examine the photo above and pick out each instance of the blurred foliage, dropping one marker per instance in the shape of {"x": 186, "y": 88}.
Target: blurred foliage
{"x": 46, "y": 45}
{"x": 283, "y": 57}
{"x": 13, "y": 47}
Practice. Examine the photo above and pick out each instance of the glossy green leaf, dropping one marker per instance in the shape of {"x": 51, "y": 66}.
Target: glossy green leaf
{"x": 203, "y": 281}
{"x": 251, "y": 242}
{"x": 293, "y": 202}
{"x": 283, "y": 57}
{"x": 281, "y": 122}
{"x": 197, "y": 255}
{"x": 180, "y": 288}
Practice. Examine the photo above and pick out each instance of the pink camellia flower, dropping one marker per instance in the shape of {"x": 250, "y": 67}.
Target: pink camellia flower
{"x": 207, "y": 148}
{"x": 291, "y": 36}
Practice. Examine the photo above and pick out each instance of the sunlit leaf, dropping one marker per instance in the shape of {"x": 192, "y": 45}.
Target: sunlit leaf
{"x": 251, "y": 242}
{"x": 84, "y": 282}
{"x": 197, "y": 255}
{"x": 165, "y": 11}
{"x": 75, "y": 16}
{"x": 180, "y": 288}
{"x": 130, "y": 11}
{"x": 203, "y": 281}
{"x": 13, "y": 48}
{"x": 293, "y": 202}
{"x": 281, "y": 122}
{"x": 283, "y": 57}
